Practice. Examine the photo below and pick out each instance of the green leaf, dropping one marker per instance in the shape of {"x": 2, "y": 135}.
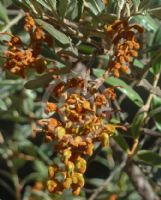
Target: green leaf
{"x": 147, "y": 22}
{"x": 61, "y": 37}
{"x": 2, "y": 105}
{"x": 44, "y": 4}
{"x": 96, "y": 6}
{"x": 138, "y": 63}
{"x": 9, "y": 82}
{"x": 86, "y": 49}
{"x": 40, "y": 167}
{"x": 3, "y": 13}
{"x": 144, "y": 4}
{"x": 156, "y": 63}
{"x": 72, "y": 11}
{"x": 137, "y": 124}
{"x": 126, "y": 89}
{"x": 62, "y": 8}
{"x": 156, "y": 103}
{"x": 52, "y": 3}
{"x": 136, "y": 4}
{"x": 31, "y": 177}
{"x": 156, "y": 56}
{"x": 95, "y": 181}
{"x": 149, "y": 157}
{"x": 39, "y": 82}
{"x": 37, "y": 7}
{"x": 107, "y": 18}
{"x": 121, "y": 142}
{"x": 101, "y": 160}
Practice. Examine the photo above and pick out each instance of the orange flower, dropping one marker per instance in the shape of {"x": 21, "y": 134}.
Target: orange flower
{"x": 75, "y": 133}
{"x": 29, "y": 23}
{"x": 125, "y": 45}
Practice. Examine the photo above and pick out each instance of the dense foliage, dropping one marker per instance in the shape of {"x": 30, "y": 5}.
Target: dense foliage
{"x": 80, "y": 103}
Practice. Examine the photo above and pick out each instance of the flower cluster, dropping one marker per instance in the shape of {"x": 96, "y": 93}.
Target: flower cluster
{"x": 82, "y": 121}
{"x": 125, "y": 45}
{"x": 21, "y": 56}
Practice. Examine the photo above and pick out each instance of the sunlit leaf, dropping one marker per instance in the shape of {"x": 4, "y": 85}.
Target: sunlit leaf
{"x": 58, "y": 35}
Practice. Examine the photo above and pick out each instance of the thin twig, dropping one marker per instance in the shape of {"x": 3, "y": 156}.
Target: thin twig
{"x": 144, "y": 109}
{"x": 105, "y": 183}
{"x": 135, "y": 174}
{"x": 150, "y": 132}
{"x": 13, "y": 22}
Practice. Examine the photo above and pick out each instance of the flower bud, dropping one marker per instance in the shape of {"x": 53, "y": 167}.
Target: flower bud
{"x": 51, "y": 185}
{"x": 51, "y": 171}
{"x": 78, "y": 179}
{"x": 59, "y": 132}
{"x": 81, "y": 165}
{"x": 67, "y": 183}
{"x": 104, "y": 139}
{"x": 66, "y": 155}
{"x": 70, "y": 168}
{"x": 76, "y": 191}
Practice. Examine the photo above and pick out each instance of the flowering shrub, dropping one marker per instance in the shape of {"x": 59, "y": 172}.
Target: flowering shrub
{"x": 74, "y": 72}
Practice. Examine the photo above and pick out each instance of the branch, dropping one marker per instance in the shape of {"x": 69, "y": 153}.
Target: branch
{"x": 154, "y": 9}
{"x": 140, "y": 182}
{"x": 145, "y": 110}
{"x": 151, "y": 132}
{"x": 135, "y": 174}
{"x": 105, "y": 183}
{"x": 13, "y": 22}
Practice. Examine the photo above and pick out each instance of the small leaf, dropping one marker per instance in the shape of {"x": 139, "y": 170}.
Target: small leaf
{"x": 37, "y": 7}
{"x": 61, "y": 37}
{"x": 72, "y": 11}
{"x": 147, "y": 22}
{"x": 40, "y": 167}
{"x": 149, "y": 157}
{"x": 156, "y": 56}
{"x": 3, "y": 105}
{"x": 136, "y": 4}
{"x": 53, "y": 3}
{"x": 31, "y": 177}
{"x": 144, "y": 4}
{"x": 62, "y": 8}
{"x": 3, "y": 13}
{"x": 101, "y": 160}
{"x": 96, "y": 6}
{"x": 44, "y": 4}
{"x": 95, "y": 181}
{"x": 39, "y": 82}
{"x": 121, "y": 142}
{"x": 137, "y": 124}
{"x": 86, "y": 49}
{"x": 156, "y": 103}
{"x": 9, "y": 82}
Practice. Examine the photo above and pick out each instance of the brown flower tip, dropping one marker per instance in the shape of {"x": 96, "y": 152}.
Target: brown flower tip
{"x": 125, "y": 45}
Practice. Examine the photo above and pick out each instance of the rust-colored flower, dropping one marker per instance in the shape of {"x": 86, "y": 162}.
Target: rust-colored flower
{"x": 125, "y": 45}
{"x": 20, "y": 57}
{"x": 29, "y": 23}
{"x": 75, "y": 133}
